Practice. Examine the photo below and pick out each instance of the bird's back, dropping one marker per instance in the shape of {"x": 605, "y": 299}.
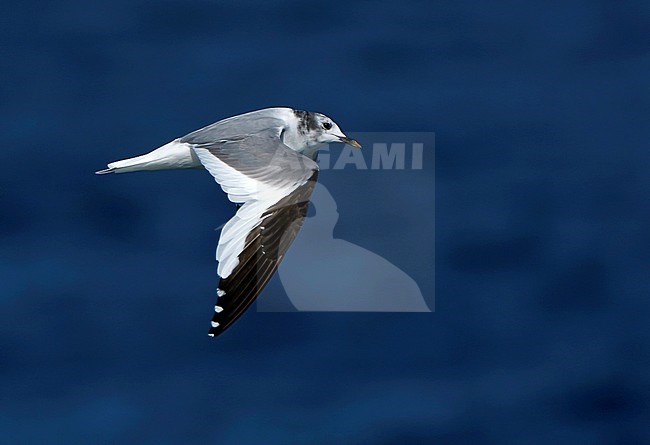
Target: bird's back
{"x": 240, "y": 125}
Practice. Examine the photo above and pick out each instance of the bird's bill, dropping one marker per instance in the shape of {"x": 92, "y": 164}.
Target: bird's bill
{"x": 349, "y": 141}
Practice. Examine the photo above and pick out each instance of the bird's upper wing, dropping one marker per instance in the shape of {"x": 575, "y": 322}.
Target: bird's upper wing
{"x": 273, "y": 182}
{"x": 242, "y": 124}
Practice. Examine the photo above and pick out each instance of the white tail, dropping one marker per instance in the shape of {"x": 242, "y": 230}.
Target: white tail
{"x": 170, "y": 156}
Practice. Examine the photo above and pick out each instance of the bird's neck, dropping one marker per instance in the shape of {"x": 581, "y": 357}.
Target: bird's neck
{"x": 295, "y": 137}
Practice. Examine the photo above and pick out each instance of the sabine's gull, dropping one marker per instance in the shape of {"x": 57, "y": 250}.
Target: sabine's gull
{"x": 265, "y": 161}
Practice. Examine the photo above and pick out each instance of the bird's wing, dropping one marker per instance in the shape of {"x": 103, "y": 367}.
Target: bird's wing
{"x": 273, "y": 182}
{"x": 240, "y": 125}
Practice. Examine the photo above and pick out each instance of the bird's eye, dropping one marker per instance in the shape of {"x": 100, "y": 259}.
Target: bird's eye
{"x": 327, "y": 125}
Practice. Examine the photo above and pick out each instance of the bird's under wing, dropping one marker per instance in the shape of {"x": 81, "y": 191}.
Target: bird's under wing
{"x": 274, "y": 183}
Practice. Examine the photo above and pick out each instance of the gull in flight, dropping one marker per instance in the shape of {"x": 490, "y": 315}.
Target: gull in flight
{"x": 265, "y": 161}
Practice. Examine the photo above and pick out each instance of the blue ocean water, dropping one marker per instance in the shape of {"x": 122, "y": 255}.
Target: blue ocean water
{"x": 539, "y": 241}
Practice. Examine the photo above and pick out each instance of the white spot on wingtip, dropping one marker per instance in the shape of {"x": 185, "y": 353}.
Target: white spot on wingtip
{"x": 220, "y": 293}
{"x": 218, "y": 309}
{"x": 210, "y": 335}
{"x": 214, "y": 324}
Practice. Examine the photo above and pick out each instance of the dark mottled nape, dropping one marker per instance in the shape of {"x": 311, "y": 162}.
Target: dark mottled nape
{"x": 306, "y": 121}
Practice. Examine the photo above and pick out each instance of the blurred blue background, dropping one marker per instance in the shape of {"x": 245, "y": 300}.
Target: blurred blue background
{"x": 540, "y": 333}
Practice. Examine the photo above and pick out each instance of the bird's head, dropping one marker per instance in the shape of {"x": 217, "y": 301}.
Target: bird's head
{"x": 319, "y": 129}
